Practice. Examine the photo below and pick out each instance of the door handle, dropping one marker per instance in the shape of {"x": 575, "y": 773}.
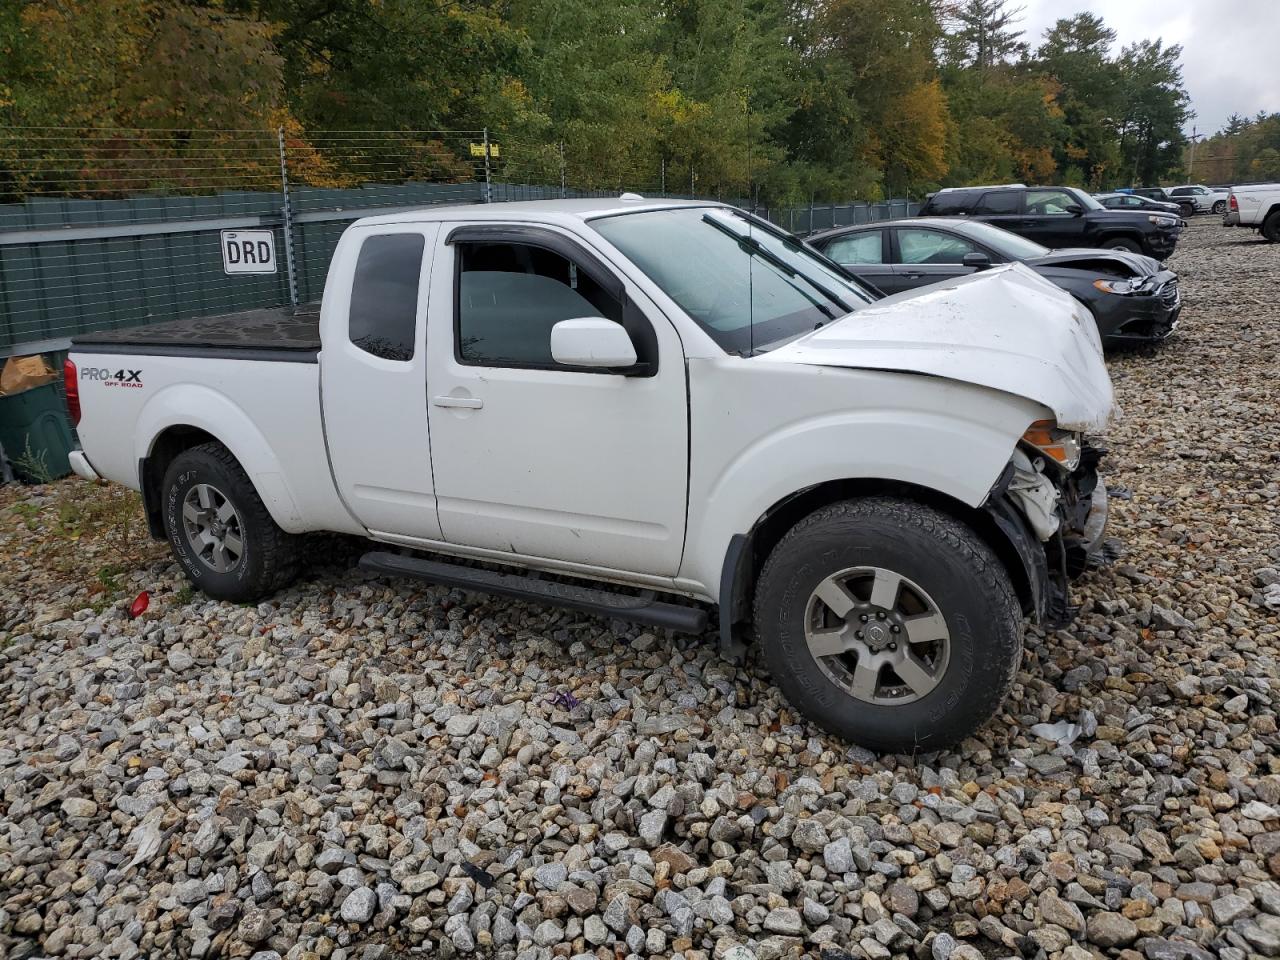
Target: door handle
{"x": 466, "y": 403}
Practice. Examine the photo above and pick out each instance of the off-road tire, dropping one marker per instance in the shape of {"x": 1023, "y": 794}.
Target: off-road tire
{"x": 1271, "y": 226}
{"x": 270, "y": 556}
{"x": 943, "y": 556}
{"x": 1123, "y": 243}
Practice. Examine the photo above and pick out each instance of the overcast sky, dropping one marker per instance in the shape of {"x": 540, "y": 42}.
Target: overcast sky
{"x": 1230, "y": 48}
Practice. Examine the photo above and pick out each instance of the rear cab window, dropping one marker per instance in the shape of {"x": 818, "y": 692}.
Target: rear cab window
{"x": 382, "y": 319}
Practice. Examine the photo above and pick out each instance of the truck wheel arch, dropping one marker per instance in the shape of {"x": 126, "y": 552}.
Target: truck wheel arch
{"x": 748, "y": 551}
{"x": 151, "y": 469}
{"x": 179, "y": 418}
{"x": 1129, "y": 236}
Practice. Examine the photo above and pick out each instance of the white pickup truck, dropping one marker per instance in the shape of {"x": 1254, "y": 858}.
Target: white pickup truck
{"x": 658, "y": 398}
{"x": 1255, "y": 205}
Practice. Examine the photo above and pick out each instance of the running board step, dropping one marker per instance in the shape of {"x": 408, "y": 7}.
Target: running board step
{"x": 642, "y": 609}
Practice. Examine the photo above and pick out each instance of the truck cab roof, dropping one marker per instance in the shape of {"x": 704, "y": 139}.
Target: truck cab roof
{"x": 541, "y": 211}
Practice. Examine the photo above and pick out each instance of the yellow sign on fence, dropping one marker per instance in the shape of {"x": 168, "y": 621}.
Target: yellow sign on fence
{"x": 477, "y": 150}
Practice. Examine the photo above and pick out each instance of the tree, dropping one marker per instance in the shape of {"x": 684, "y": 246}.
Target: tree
{"x": 168, "y": 69}
{"x": 1235, "y": 124}
{"x": 1076, "y": 54}
{"x": 982, "y": 33}
{"x": 1007, "y": 121}
{"x": 874, "y": 113}
{"x": 775, "y": 100}
{"x": 1156, "y": 109}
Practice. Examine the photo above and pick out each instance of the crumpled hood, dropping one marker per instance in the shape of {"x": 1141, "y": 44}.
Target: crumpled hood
{"x": 1140, "y": 265}
{"x": 1004, "y": 328}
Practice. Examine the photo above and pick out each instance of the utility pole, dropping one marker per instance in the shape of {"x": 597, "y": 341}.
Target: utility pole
{"x": 1191, "y": 164}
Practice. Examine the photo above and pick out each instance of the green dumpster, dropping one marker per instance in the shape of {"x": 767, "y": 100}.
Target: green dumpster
{"x": 35, "y": 434}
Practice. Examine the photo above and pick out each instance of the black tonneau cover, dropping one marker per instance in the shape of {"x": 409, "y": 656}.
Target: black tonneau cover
{"x": 269, "y": 333}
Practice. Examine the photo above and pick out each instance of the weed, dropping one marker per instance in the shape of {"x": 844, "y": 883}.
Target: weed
{"x": 29, "y": 512}
{"x": 33, "y": 466}
{"x": 109, "y": 577}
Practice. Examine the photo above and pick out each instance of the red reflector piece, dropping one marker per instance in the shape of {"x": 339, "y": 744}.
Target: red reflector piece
{"x": 139, "y": 605}
{"x": 71, "y": 386}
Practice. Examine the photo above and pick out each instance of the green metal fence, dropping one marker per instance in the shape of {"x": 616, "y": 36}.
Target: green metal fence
{"x": 114, "y": 229}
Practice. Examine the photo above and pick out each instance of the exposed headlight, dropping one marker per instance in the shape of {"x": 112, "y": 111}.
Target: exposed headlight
{"x": 1117, "y": 286}
{"x": 1060, "y": 446}
{"x": 1163, "y": 221}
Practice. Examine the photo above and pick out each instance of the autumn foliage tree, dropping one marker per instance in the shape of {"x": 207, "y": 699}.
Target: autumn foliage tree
{"x": 767, "y": 100}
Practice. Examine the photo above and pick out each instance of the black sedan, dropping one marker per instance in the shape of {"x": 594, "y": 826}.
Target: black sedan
{"x": 1131, "y": 201}
{"x": 1133, "y": 298}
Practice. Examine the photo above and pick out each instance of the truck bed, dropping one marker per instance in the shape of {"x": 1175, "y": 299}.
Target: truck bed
{"x": 286, "y": 334}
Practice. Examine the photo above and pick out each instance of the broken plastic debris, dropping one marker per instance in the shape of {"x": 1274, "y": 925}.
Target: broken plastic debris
{"x": 478, "y": 874}
{"x": 564, "y": 699}
{"x": 1062, "y": 733}
{"x": 139, "y": 605}
{"x": 146, "y": 835}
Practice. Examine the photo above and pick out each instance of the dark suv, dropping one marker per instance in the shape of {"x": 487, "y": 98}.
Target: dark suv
{"x": 1186, "y": 206}
{"x": 1059, "y": 217}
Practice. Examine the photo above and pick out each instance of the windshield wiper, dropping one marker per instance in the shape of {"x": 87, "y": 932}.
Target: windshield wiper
{"x": 756, "y": 248}
{"x": 791, "y": 243}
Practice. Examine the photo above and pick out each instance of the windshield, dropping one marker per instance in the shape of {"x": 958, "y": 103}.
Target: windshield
{"x": 1002, "y": 241}
{"x": 749, "y": 285}
{"x": 1086, "y": 200}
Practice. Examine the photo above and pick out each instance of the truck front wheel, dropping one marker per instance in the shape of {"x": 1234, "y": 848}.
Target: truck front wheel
{"x": 1123, "y": 243}
{"x": 889, "y": 623}
{"x": 219, "y": 529}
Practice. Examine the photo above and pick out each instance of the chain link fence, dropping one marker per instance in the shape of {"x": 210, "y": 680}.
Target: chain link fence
{"x": 101, "y": 229}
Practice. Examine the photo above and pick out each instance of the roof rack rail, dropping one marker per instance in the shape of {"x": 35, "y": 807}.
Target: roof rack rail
{"x": 983, "y": 186}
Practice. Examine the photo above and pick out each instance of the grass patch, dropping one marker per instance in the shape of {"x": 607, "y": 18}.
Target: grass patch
{"x": 91, "y": 534}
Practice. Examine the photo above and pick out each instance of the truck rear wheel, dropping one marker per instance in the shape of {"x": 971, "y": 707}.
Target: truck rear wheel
{"x": 219, "y": 529}
{"x": 889, "y": 623}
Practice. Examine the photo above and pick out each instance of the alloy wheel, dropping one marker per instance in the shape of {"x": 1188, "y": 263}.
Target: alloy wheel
{"x": 213, "y": 528}
{"x": 877, "y": 635}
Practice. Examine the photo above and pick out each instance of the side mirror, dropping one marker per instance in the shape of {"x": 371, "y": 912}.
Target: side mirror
{"x": 592, "y": 342}
{"x": 976, "y": 260}
{"x": 1074, "y": 209}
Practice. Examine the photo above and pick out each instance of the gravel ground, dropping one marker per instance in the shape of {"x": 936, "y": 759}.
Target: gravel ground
{"x": 363, "y": 769}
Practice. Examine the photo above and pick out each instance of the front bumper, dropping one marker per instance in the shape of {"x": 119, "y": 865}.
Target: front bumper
{"x": 1140, "y": 318}
{"x": 1050, "y": 565}
{"x": 1084, "y": 510}
{"x": 81, "y": 466}
{"x": 1163, "y": 243}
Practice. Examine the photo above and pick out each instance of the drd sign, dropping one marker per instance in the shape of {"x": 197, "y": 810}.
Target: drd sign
{"x": 248, "y": 251}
